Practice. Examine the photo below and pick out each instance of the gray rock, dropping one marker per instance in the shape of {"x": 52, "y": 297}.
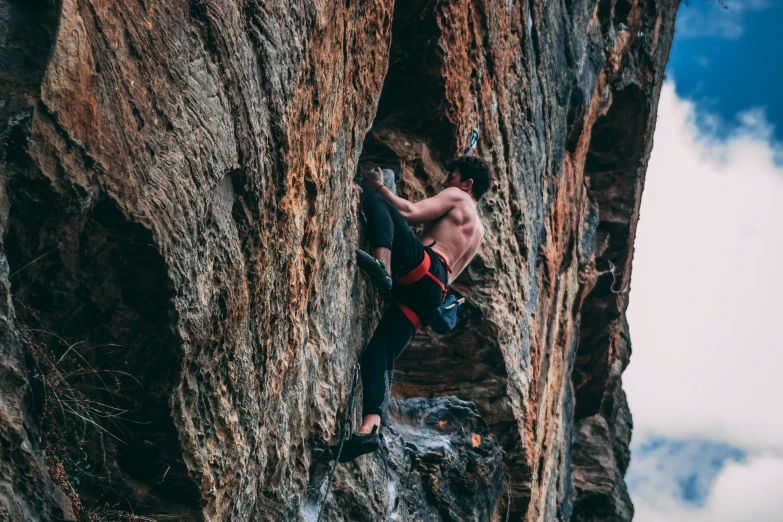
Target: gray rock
{"x": 389, "y": 180}
{"x": 439, "y": 461}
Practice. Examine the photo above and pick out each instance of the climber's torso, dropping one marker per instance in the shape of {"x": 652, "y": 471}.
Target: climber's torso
{"x": 457, "y": 235}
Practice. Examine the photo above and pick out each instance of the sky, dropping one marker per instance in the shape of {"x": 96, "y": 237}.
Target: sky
{"x": 706, "y": 375}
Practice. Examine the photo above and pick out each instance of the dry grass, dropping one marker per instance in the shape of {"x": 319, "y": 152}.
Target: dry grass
{"x": 112, "y": 515}
{"x": 82, "y": 406}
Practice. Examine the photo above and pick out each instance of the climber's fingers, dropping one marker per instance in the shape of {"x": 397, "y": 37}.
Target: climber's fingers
{"x": 373, "y": 178}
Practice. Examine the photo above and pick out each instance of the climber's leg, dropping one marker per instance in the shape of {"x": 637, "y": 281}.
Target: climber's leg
{"x": 380, "y": 233}
{"x": 380, "y": 227}
{"x": 392, "y": 240}
{"x": 390, "y": 338}
{"x": 399, "y": 251}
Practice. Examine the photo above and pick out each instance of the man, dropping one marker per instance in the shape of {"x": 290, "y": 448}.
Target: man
{"x": 423, "y": 267}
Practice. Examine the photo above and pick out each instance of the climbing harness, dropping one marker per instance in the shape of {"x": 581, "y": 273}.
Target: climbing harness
{"x": 416, "y": 275}
{"x": 346, "y": 424}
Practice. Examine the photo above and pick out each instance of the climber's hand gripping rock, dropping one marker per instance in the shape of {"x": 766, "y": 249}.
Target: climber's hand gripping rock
{"x": 373, "y": 179}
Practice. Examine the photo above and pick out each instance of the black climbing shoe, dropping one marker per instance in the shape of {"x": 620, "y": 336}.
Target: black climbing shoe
{"x": 359, "y": 444}
{"x": 376, "y": 269}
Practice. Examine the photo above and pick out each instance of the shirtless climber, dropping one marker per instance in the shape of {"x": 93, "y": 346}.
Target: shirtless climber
{"x": 423, "y": 267}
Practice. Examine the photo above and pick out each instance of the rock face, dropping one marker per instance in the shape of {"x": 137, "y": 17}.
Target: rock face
{"x": 179, "y": 207}
{"x": 439, "y": 462}
{"x": 601, "y": 450}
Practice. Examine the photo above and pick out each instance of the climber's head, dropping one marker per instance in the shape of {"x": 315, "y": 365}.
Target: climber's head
{"x": 469, "y": 174}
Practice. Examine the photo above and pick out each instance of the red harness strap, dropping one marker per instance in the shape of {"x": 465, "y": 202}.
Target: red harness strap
{"x": 418, "y": 272}
{"x": 415, "y": 275}
{"x": 424, "y": 270}
{"x": 412, "y": 317}
{"x": 445, "y": 263}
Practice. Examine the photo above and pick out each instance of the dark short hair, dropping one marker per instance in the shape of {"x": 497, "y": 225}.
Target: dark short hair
{"x": 471, "y": 167}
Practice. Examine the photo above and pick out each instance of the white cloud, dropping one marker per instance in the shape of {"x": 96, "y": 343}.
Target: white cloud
{"x": 715, "y": 18}
{"x": 705, "y": 314}
{"x": 716, "y": 24}
{"x": 743, "y": 492}
{"x": 702, "y": 61}
{"x": 681, "y": 470}
{"x": 707, "y": 285}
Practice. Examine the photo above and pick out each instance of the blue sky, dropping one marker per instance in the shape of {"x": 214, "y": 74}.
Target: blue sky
{"x": 704, "y": 384}
{"x": 729, "y": 59}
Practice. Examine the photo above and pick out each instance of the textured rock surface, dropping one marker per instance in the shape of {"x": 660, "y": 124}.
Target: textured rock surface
{"x": 601, "y": 450}
{"x": 441, "y": 463}
{"x": 179, "y": 210}
{"x": 27, "y": 492}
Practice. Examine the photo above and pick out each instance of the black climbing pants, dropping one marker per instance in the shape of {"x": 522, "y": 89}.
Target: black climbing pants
{"x": 387, "y": 228}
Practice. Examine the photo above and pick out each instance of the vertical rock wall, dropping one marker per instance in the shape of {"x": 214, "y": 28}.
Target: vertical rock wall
{"x": 27, "y": 492}
{"x": 179, "y": 210}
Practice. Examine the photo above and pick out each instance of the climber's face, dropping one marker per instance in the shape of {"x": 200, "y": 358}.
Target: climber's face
{"x": 454, "y": 180}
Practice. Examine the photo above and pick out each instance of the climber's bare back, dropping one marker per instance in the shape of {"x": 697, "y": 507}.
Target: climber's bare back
{"x": 457, "y": 234}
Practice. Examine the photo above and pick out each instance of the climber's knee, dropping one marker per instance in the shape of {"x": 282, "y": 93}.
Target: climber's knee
{"x": 371, "y": 199}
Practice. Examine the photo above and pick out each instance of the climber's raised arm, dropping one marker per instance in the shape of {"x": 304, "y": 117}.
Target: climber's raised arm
{"x": 422, "y": 211}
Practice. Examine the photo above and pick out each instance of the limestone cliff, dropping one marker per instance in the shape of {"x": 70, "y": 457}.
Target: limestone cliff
{"x": 181, "y": 311}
